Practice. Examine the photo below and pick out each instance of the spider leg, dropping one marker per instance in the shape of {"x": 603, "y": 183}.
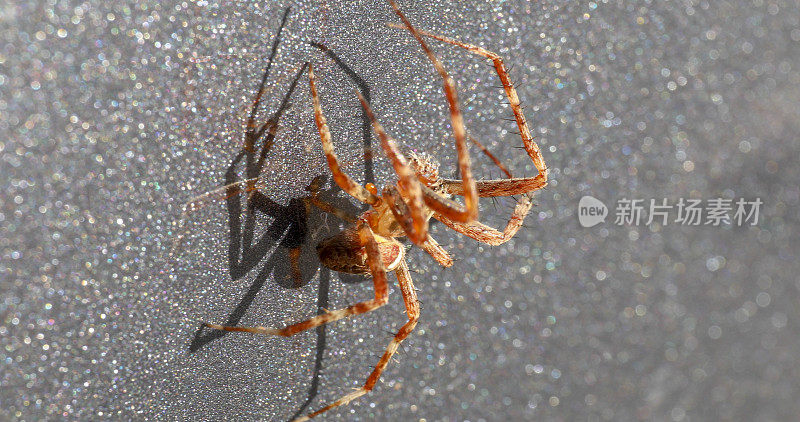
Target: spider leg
{"x": 294, "y": 262}
{"x": 432, "y": 247}
{"x": 470, "y": 211}
{"x": 412, "y": 309}
{"x": 491, "y": 156}
{"x": 531, "y": 147}
{"x": 342, "y": 179}
{"x": 400, "y": 211}
{"x": 498, "y": 187}
{"x": 483, "y": 233}
{"x": 476, "y": 229}
{"x": 401, "y": 214}
{"x": 379, "y": 283}
{"x": 444, "y": 208}
{"x": 492, "y": 188}
{"x": 408, "y": 181}
{"x": 199, "y": 202}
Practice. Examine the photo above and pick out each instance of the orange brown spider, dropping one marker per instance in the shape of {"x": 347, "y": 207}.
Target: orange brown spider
{"x": 370, "y": 245}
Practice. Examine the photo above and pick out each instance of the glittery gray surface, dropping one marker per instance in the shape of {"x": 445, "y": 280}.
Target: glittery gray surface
{"x": 113, "y": 116}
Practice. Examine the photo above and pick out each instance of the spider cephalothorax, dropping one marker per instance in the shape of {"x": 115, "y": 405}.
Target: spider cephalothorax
{"x": 403, "y": 209}
{"x": 425, "y": 166}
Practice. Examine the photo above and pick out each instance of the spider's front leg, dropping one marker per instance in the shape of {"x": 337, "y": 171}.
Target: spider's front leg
{"x": 339, "y": 176}
{"x": 487, "y": 188}
{"x": 483, "y": 233}
{"x": 494, "y": 188}
{"x": 531, "y": 147}
{"x": 408, "y": 180}
{"x": 470, "y": 210}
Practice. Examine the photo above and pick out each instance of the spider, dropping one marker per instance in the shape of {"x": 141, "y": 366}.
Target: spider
{"x": 370, "y": 246}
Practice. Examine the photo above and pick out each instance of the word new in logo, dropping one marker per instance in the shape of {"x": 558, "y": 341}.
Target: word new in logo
{"x": 591, "y": 211}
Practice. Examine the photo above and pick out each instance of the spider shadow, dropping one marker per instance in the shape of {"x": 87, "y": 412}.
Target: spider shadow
{"x": 282, "y": 248}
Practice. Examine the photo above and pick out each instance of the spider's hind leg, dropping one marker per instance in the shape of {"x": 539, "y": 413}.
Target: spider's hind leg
{"x": 412, "y": 309}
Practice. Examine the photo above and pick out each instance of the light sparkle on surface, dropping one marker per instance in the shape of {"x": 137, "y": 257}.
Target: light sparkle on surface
{"x": 112, "y": 116}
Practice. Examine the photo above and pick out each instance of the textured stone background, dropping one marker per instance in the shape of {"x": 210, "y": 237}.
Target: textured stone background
{"x": 115, "y": 115}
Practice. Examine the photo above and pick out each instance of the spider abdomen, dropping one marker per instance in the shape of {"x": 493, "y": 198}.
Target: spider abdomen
{"x": 344, "y": 253}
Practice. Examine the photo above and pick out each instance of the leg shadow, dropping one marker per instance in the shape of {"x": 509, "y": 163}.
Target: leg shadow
{"x": 293, "y": 228}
